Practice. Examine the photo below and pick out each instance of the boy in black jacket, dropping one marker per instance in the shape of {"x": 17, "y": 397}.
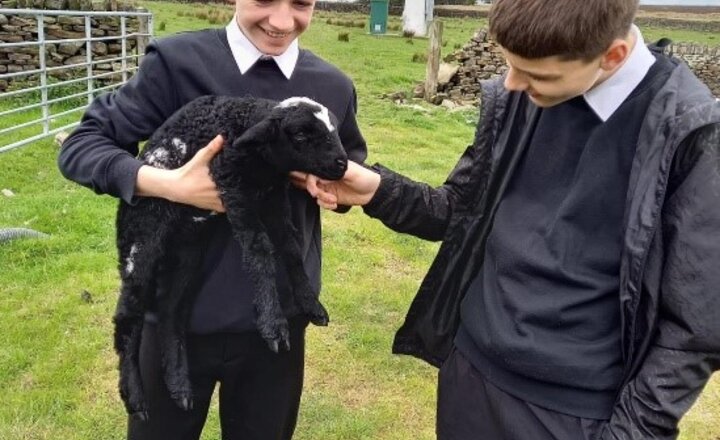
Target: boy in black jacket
{"x": 257, "y": 54}
{"x": 575, "y": 295}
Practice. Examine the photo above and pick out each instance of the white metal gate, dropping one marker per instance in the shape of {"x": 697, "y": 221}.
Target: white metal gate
{"x": 35, "y": 104}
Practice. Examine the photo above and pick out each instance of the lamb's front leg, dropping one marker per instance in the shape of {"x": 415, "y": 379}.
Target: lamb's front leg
{"x": 276, "y": 215}
{"x": 259, "y": 260}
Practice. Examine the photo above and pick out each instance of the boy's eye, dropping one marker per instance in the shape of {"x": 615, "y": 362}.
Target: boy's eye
{"x": 303, "y": 3}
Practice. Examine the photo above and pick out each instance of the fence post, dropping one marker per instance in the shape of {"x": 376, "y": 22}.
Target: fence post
{"x": 40, "y": 18}
{"x": 143, "y": 30}
{"x": 89, "y": 59}
{"x": 433, "y": 62}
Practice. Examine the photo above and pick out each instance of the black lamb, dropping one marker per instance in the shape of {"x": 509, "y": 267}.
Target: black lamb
{"x": 161, "y": 243}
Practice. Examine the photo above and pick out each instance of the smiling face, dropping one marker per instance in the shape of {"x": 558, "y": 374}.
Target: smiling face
{"x": 271, "y": 25}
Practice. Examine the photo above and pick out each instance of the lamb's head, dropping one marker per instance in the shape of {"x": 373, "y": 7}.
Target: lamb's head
{"x": 300, "y": 134}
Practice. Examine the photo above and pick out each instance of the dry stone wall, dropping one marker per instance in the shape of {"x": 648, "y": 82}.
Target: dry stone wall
{"x": 16, "y": 28}
{"x": 703, "y": 60}
{"x": 481, "y": 59}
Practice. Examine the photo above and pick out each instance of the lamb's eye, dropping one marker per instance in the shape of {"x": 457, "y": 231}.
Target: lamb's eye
{"x": 299, "y": 138}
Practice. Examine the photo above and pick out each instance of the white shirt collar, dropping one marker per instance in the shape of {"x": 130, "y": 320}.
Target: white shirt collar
{"x": 607, "y": 96}
{"x": 246, "y": 54}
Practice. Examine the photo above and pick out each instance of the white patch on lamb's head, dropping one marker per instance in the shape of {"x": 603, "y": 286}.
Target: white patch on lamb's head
{"x": 322, "y": 112}
{"x": 180, "y": 146}
{"x": 130, "y": 260}
{"x": 158, "y": 158}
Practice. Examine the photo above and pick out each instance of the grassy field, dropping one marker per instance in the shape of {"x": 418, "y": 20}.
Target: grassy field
{"x": 57, "y": 367}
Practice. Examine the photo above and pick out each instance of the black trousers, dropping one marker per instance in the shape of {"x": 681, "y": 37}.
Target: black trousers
{"x": 259, "y": 390}
{"x": 471, "y": 408}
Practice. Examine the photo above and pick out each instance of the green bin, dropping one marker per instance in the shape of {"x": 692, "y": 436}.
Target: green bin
{"x": 378, "y": 16}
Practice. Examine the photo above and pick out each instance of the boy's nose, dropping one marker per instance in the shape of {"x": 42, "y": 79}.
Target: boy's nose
{"x": 281, "y": 18}
{"x": 514, "y": 81}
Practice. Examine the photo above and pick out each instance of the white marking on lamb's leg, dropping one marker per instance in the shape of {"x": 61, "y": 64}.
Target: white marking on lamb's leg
{"x": 199, "y": 219}
{"x": 322, "y": 113}
{"x": 130, "y": 260}
{"x": 180, "y": 145}
{"x": 158, "y": 158}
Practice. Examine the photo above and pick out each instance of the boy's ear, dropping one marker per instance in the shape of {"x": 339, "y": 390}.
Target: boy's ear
{"x": 615, "y": 55}
{"x": 258, "y": 133}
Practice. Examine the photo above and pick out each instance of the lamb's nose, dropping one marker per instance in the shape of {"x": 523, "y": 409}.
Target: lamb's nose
{"x": 342, "y": 163}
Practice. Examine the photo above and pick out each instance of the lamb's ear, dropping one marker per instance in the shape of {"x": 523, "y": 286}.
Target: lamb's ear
{"x": 258, "y": 134}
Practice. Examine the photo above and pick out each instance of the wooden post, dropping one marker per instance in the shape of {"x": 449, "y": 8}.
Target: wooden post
{"x": 143, "y": 28}
{"x": 433, "y": 61}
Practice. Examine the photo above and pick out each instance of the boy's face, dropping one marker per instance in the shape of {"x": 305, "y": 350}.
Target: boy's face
{"x": 551, "y": 80}
{"x": 271, "y": 25}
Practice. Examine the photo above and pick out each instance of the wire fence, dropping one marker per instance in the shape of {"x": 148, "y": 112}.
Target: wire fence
{"x": 44, "y": 92}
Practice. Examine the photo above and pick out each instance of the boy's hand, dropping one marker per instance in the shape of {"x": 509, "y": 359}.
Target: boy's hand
{"x": 190, "y": 184}
{"x": 356, "y": 187}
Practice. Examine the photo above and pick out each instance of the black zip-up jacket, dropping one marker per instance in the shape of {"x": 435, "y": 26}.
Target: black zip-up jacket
{"x": 669, "y": 292}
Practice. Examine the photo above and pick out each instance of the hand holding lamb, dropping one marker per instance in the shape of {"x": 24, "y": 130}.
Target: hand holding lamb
{"x": 160, "y": 243}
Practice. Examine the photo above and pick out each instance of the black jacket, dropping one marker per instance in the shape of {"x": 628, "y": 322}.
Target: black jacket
{"x": 670, "y": 265}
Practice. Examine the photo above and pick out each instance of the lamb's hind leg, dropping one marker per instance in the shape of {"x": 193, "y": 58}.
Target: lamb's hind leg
{"x": 259, "y": 261}
{"x": 137, "y": 259}
{"x": 286, "y": 239}
{"x": 174, "y": 299}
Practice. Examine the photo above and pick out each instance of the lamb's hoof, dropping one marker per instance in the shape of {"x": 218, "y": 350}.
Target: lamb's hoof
{"x": 274, "y": 345}
{"x": 282, "y": 339}
{"x": 184, "y": 401}
{"x": 187, "y": 404}
{"x": 140, "y": 415}
{"x": 318, "y": 315}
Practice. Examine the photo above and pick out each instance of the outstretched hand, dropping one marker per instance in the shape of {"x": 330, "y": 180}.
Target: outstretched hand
{"x": 190, "y": 184}
{"x": 356, "y": 187}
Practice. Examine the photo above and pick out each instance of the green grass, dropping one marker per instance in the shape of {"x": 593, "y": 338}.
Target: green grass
{"x": 57, "y": 368}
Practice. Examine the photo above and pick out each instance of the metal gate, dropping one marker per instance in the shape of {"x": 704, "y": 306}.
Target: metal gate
{"x": 44, "y": 96}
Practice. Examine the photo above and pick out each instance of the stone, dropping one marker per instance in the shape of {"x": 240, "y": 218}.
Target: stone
{"x": 56, "y": 5}
{"x": 69, "y": 49}
{"x": 68, "y": 20}
{"x": 11, "y": 38}
{"x": 79, "y": 59}
{"x": 99, "y": 48}
{"x": 60, "y": 138}
{"x": 62, "y": 34}
{"x": 17, "y": 21}
{"x": 447, "y": 103}
{"x": 446, "y": 72}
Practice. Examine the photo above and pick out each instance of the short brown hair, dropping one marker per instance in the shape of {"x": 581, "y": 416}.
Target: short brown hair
{"x": 570, "y": 29}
